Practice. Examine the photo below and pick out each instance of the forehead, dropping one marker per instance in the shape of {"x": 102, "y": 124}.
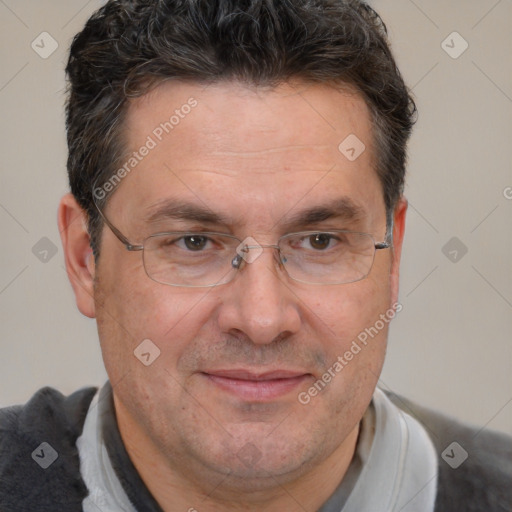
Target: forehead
{"x": 228, "y": 143}
{"x": 249, "y": 121}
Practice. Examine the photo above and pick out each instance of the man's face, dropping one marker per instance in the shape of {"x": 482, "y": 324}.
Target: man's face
{"x": 223, "y": 396}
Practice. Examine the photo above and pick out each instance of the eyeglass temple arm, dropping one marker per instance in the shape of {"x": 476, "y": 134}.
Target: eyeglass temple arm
{"x": 389, "y": 237}
{"x": 132, "y": 247}
{"x": 129, "y": 246}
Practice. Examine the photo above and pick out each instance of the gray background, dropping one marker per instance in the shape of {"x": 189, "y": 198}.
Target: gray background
{"x": 449, "y": 347}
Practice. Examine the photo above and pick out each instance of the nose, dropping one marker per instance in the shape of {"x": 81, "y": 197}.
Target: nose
{"x": 258, "y": 302}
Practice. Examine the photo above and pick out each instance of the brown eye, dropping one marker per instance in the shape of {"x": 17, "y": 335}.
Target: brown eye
{"x": 195, "y": 242}
{"x": 320, "y": 241}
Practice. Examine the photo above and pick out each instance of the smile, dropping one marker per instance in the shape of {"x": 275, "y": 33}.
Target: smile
{"x": 260, "y": 387}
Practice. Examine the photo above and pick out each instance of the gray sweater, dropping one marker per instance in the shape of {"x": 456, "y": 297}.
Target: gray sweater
{"x": 482, "y": 483}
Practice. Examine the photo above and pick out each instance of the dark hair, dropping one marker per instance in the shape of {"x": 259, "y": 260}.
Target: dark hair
{"x": 128, "y": 46}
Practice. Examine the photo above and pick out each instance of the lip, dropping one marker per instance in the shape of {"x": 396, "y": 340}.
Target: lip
{"x": 256, "y": 386}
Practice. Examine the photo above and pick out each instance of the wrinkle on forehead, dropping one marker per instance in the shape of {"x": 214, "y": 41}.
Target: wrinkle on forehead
{"x": 254, "y": 172}
{"x": 260, "y": 154}
{"x": 271, "y": 150}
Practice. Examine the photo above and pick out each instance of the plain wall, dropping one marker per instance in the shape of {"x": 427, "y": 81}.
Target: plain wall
{"x": 449, "y": 348}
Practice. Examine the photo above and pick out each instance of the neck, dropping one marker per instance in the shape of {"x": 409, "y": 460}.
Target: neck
{"x": 185, "y": 485}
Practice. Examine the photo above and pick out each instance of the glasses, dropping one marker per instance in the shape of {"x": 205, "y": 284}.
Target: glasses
{"x": 205, "y": 259}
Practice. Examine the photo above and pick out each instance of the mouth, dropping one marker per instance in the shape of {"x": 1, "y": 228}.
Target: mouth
{"x": 256, "y": 386}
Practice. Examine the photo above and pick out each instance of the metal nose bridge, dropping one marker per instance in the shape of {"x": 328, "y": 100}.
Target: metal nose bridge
{"x": 246, "y": 247}
{"x": 236, "y": 262}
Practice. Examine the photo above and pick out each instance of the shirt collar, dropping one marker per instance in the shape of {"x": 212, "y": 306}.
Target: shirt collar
{"x": 394, "y": 467}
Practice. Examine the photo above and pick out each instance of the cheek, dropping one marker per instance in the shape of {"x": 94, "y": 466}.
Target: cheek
{"x": 347, "y": 322}
{"x": 131, "y": 309}
{"x": 346, "y": 310}
{"x": 351, "y": 323}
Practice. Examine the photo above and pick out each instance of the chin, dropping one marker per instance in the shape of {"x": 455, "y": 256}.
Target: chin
{"x": 257, "y": 460}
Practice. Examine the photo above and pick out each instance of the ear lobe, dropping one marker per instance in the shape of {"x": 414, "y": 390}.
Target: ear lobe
{"x": 80, "y": 265}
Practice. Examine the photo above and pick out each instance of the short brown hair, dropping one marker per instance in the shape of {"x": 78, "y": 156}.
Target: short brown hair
{"x": 128, "y": 46}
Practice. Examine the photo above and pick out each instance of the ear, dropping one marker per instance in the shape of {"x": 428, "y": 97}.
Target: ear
{"x": 78, "y": 254}
{"x": 398, "y": 238}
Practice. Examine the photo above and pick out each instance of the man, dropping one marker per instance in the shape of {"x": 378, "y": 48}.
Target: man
{"x": 235, "y": 227}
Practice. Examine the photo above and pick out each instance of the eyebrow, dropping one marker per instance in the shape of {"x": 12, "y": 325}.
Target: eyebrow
{"x": 343, "y": 208}
{"x": 183, "y": 210}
